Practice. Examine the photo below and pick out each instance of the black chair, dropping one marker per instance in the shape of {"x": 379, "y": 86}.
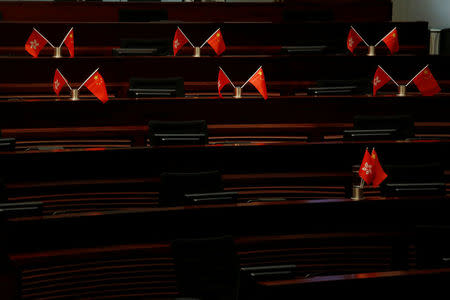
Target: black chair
{"x": 132, "y": 15}
{"x": 178, "y": 133}
{"x": 207, "y": 268}
{"x": 381, "y": 128}
{"x": 175, "y": 186}
{"x": 156, "y": 87}
{"x": 135, "y": 47}
{"x": 413, "y": 180}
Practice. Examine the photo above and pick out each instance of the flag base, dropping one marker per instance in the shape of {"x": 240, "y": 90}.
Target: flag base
{"x": 57, "y": 53}
{"x": 371, "y": 51}
{"x": 74, "y": 95}
{"x": 358, "y": 193}
{"x": 401, "y": 90}
{"x": 237, "y": 93}
{"x": 197, "y": 52}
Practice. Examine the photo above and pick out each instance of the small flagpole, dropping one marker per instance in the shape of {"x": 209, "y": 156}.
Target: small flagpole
{"x": 385, "y": 36}
{"x": 416, "y": 75}
{"x": 44, "y": 37}
{"x": 65, "y": 37}
{"x": 360, "y": 36}
{"x": 87, "y": 79}
{"x": 388, "y": 75}
{"x": 250, "y": 77}
{"x": 186, "y": 37}
{"x": 227, "y": 77}
{"x": 209, "y": 38}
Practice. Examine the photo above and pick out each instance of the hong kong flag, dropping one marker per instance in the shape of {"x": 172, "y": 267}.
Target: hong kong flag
{"x": 426, "y": 83}
{"x": 179, "y": 40}
{"x": 222, "y": 81}
{"x": 391, "y": 41}
{"x": 216, "y": 42}
{"x": 366, "y": 168}
{"x": 68, "y": 40}
{"x": 58, "y": 82}
{"x": 380, "y": 79}
{"x": 35, "y": 43}
{"x": 378, "y": 173}
{"x": 259, "y": 82}
{"x": 97, "y": 86}
{"x": 353, "y": 39}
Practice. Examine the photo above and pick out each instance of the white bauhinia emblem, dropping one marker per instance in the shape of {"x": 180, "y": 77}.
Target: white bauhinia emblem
{"x": 56, "y": 84}
{"x": 34, "y": 44}
{"x": 376, "y": 81}
{"x": 219, "y": 84}
{"x": 367, "y": 168}
{"x": 176, "y": 43}
{"x": 350, "y": 42}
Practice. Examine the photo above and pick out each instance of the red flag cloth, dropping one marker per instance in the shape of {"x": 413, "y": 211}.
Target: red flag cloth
{"x": 366, "y": 168}
{"x": 222, "y": 81}
{"x": 97, "y": 86}
{"x": 426, "y": 83}
{"x": 378, "y": 173}
{"x": 70, "y": 43}
{"x": 259, "y": 82}
{"x": 391, "y": 41}
{"x": 178, "y": 41}
{"x": 58, "y": 82}
{"x": 216, "y": 42}
{"x": 35, "y": 43}
{"x": 380, "y": 79}
{"x": 353, "y": 40}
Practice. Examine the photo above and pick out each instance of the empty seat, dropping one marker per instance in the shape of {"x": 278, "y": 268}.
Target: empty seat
{"x": 156, "y": 87}
{"x": 178, "y": 133}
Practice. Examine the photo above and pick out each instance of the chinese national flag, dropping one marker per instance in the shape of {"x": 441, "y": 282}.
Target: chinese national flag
{"x": 378, "y": 173}
{"x": 366, "y": 168}
{"x": 391, "y": 41}
{"x": 426, "y": 83}
{"x": 70, "y": 43}
{"x": 58, "y": 82}
{"x": 222, "y": 81}
{"x": 216, "y": 42}
{"x": 353, "y": 40}
{"x": 97, "y": 86}
{"x": 178, "y": 41}
{"x": 35, "y": 43}
{"x": 380, "y": 79}
{"x": 259, "y": 82}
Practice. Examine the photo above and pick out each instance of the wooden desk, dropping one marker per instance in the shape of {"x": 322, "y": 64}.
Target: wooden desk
{"x": 357, "y": 10}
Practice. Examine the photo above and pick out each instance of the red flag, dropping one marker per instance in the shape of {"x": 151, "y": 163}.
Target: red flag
{"x": 97, "y": 86}
{"x": 35, "y": 43}
{"x": 366, "y": 168}
{"x": 391, "y": 41}
{"x": 380, "y": 79}
{"x": 216, "y": 42}
{"x": 70, "y": 42}
{"x": 222, "y": 81}
{"x": 259, "y": 82}
{"x": 426, "y": 83}
{"x": 178, "y": 41}
{"x": 353, "y": 40}
{"x": 58, "y": 82}
{"x": 378, "y": 173}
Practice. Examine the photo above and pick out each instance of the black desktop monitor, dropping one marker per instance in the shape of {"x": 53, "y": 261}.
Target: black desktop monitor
{"x": 156, "y": 87}
{"x": 414, "y": 179}
{"x": 175, "y": 186}
{"x": 134, "y": 47}
{"x": 381, "y": 128}
{"x": 178, "y": 133}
